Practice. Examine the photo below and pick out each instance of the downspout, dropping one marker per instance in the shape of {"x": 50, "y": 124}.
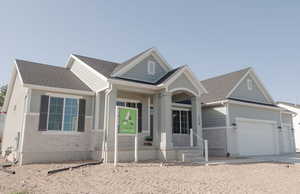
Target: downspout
{"x": 106, "y": 120}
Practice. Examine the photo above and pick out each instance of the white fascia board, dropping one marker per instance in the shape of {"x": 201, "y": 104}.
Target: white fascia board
{"x": 59, "y": 90}
{"x": 134, "y": 84}
{"x": 189, "y": 74}
{"x": 10, "y": 88}
{"x": 257, "y": 82}
{"x": 154, "y": 52}
{"x": 90, "y": 68}
{"x": 237, "y": 84}
{"x": 253, "y": 105}
{"x": 216, "y": 103}
{"x": 260, "y": 84}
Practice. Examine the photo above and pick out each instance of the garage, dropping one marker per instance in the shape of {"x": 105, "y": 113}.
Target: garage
{"x": 286, "y": 139}
{"x": 256, "y": 137}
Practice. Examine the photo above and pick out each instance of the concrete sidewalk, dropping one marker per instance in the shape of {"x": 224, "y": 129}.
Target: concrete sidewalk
{"x": 287, "y": 159}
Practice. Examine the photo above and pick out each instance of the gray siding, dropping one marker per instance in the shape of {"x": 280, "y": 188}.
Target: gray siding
{"x": 88, "y": 77}
{"x": 242, "y": 92}
{"x": 216, "y": 141}
{"x": 252, "y": 113}
{"x": 140, "y": 71}
{"x": 183, "y": 82}
{"x": 214, "y": 116}
{"x": 15, "y": 113}
{"x": 287, "y": 118}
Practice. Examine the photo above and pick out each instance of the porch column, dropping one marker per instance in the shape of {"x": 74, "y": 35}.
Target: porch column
{"x": 156, "y": 130}
{"x": 166, "y": 121}
{"x": 197, "y": 120}
{"x": 110, "y": 117}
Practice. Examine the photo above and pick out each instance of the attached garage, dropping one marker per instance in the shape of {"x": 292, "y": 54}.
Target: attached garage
{"x": 256, "y": 137}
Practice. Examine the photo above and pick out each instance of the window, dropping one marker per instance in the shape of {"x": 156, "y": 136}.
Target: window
{"x": 182, "y": 121}
{"x": 133, "y": 105}
{"x": 151, "y": 67}
{"x": 62, "y": 114}
{"x": 249, "y": 84}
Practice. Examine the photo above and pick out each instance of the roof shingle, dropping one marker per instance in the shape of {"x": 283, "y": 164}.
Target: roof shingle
{"x": 50, "y": 76}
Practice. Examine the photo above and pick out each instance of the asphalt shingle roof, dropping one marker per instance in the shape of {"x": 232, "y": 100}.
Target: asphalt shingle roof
{"x": 219, "y": 87}
{"x": 50, "y": 76}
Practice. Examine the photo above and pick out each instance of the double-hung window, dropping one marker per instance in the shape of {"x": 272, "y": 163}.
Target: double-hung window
{"x": 62, "y": 114}
{"x": 182, "y": 121}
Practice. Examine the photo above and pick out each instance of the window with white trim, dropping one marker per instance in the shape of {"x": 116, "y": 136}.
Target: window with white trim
{"x": 63, "y": 114}
{"x": 249, "y": 84}
{"x": 151, "y": 67}
{"x": 182, "y": 121}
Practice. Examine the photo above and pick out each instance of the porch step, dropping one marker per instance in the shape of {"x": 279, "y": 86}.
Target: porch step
{"x": 192, "y": 155}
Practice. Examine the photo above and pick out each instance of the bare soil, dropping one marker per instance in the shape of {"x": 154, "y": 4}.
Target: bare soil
{"x": 154, "y": 178}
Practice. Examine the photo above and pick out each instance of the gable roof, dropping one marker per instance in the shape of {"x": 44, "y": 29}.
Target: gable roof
{"x": 219, "y": 87}
{"x": 289, "y": 104}
{"x": 127, "y": 65}
{"x": 160, "y": 81}
{"x": 50, "y": 76}
{"x": 106, "y": 68}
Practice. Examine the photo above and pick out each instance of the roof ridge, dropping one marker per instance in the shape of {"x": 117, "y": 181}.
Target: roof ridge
{"x": 37, "y": 63}
{"x": 227, "y": 74}
{"x": 76, "y": 55}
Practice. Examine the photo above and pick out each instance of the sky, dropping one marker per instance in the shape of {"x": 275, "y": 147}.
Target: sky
{"x": 212, "y": 37}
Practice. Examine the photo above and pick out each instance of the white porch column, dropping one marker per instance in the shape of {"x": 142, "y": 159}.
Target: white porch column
{"x": 156, "y": 130}
{"x": 166, "y": 121}
{"x": 110, "y": 117}
{"x": 197, "y": 120}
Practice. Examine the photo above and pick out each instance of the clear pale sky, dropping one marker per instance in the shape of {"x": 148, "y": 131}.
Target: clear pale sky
{"x": 212, "y": 37}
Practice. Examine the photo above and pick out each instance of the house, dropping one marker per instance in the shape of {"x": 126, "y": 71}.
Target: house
{"x": 240, "y": 118}
{"x": 2, "y": 120}
{"x": 296, "y": 119}
{"x": 69, "y": 113}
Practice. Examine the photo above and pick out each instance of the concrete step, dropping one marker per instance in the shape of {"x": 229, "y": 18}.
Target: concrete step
{"x": 192, "y": 157}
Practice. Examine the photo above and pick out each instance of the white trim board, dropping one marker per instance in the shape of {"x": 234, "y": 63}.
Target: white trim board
{"x": 154, "y": 52}
{"x": 257, "y": 81}
{"x": 241, "y": 119}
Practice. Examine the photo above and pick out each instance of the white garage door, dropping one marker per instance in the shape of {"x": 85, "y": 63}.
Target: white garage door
{"x": 256, "y": 137}
{"x": 287, "y": 141}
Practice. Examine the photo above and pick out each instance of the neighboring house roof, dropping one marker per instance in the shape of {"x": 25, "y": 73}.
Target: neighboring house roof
{"x": 219, "y": 87}
{"x": 289, "y": 104}
{"x": 50, "y": 76}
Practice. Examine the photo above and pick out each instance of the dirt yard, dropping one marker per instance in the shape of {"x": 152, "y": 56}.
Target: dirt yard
{"x": 154, "y": 178}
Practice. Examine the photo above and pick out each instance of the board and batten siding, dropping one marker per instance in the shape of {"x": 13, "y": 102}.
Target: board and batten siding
{"x": 140, "y": 71}
{"x": 242, "y": 92}
{"x": 88, "y": 77}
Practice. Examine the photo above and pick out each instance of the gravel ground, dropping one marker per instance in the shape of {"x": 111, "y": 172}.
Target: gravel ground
{"x": 154, "y": 178}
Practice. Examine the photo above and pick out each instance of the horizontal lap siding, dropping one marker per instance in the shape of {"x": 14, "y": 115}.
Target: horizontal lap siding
{"x": 214, "y": 116}
{"x": 216, "y": 138}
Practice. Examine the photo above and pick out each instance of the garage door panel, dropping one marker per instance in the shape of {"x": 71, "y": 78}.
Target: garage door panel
{"x": 255, "y": 138}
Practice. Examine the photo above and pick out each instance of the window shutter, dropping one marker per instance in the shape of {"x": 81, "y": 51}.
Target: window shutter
{"x": 81, "y": 115}
{"x": 140, "y": 124}
{"x": 43, "y": 113}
